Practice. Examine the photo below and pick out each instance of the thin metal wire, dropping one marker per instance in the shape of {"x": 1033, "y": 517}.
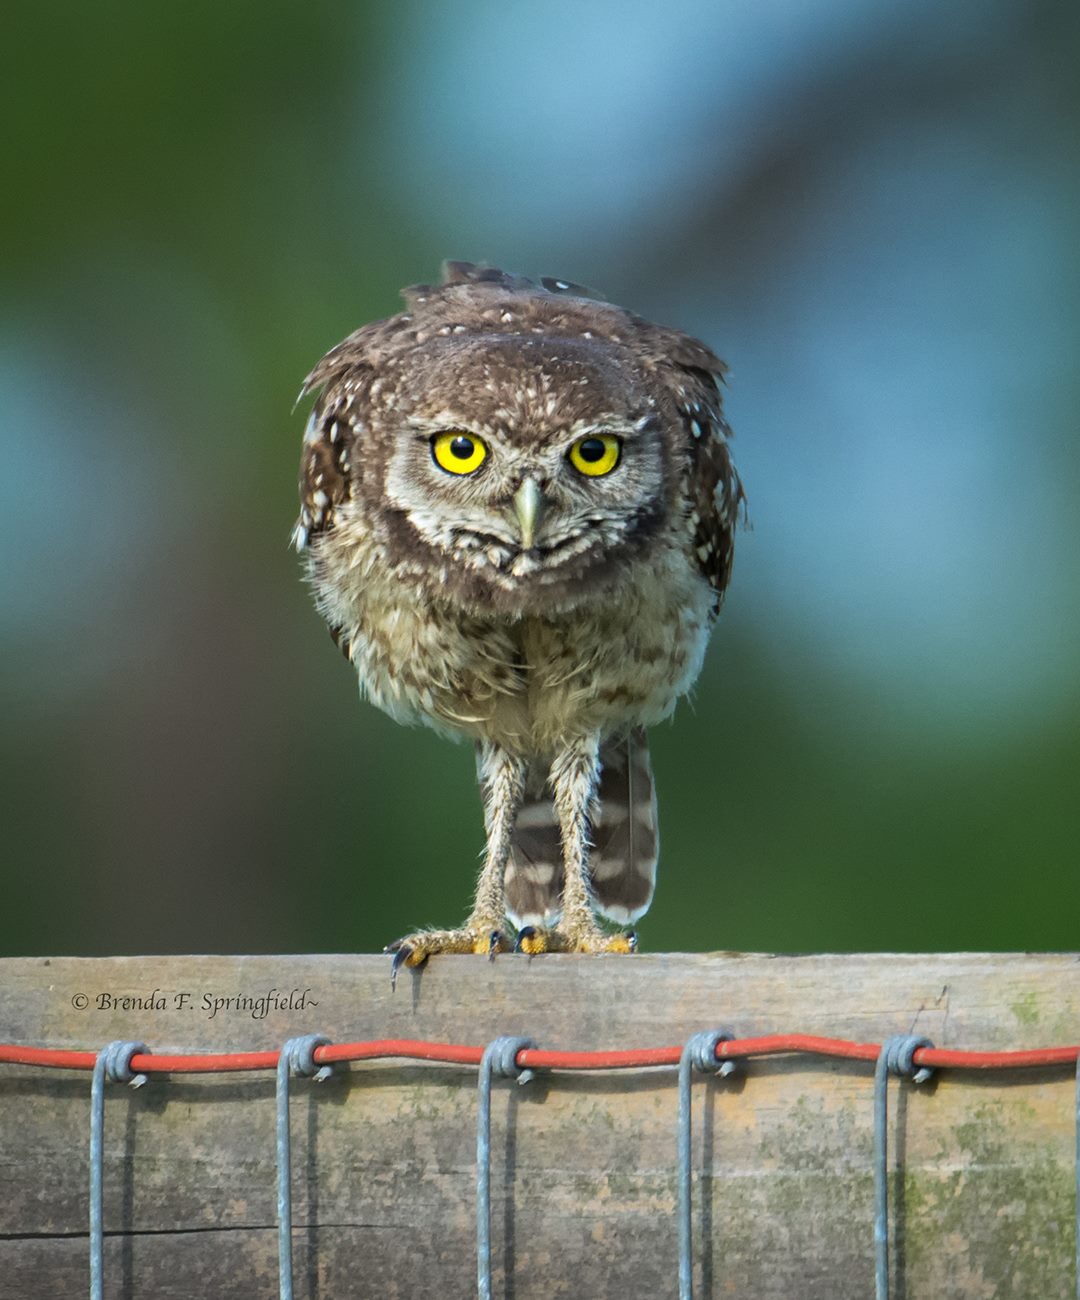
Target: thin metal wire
{"x": 698, "y": 1054}
{"x": 298, "y": 1056}
{"x": 499, "y": 1060}
{"x": 116, "y": 1062}
{"x": 897, "y": 1057}
{"x": 113, "y": 1063}
{"x": 412, "y": 1049}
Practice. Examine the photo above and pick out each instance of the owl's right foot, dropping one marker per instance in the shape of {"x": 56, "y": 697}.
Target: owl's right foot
{"x": 414, "y": 949}
{"x": 533, "y": 939}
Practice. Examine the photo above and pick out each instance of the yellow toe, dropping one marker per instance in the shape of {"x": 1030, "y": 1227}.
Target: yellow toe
{"x": 619, "y": 943}
{"x": 532, "y": 940}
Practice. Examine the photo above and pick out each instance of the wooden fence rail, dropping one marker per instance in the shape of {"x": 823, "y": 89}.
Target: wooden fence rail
{"x": 584, "y": 1165}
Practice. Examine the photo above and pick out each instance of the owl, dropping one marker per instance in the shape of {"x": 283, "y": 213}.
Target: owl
{"x": 517, "y": 517}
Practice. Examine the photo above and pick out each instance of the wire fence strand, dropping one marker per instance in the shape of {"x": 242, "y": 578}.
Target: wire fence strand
{"x": 500, "y": 1060}
{"x": 698, "y": 1054}
{"x": 112, "y": 1064}
{"x": 712, "y": 1051}
{"x": 536, "y": 1059}
{"x": 897, "y": 1057}
{"x": 297, "y": 1057}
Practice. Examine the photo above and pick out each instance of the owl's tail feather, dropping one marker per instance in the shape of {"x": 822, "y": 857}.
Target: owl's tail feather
{"x": 626, "y": 838}
{"x": 622, "y": 863}
{"x": 534, "y": 872}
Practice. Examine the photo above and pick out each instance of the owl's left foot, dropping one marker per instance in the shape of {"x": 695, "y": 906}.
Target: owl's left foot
{"x": 414, "y": 949}
{"x": 533, "y": 939}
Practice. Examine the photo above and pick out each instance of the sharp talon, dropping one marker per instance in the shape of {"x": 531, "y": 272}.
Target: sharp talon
{"x": 631, "y": 939}
{"x": 532, "y": 939}
{"x": 402, "y": 952}
{"x": 526, "y": 933}
{"x": 495, "y": 938}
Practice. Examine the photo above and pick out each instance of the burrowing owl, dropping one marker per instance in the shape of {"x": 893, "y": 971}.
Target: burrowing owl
{"x": 517, "y": 514}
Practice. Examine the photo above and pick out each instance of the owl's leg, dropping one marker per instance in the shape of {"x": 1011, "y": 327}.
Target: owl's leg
{"x": 502, "y": 778}
{"x": 575, "y": 776}
{"x": 502, "y": 781}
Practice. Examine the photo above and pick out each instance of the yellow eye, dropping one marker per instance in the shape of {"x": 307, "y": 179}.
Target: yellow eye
{"x": 457, "y": 452}
{"x": 596, "y": 455}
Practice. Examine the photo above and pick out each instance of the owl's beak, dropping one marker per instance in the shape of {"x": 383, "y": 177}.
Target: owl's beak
{"x": 529, "y": 507}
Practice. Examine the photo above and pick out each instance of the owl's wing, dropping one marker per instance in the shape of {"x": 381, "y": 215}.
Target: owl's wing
{"x": 340, "y": 382}
{"x": 714, "y": 494}
{"x": 324, "y": 472}
{"x": 324, "y": 486}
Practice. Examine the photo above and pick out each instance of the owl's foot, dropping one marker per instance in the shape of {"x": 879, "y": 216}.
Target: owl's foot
{"x": 414, "y": 949}
{"x": 533, "y": 939}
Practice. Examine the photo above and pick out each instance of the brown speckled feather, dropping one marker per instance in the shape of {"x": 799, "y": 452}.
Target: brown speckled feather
{"x": 324, "y": 474}
{"x": 713, "y": 486}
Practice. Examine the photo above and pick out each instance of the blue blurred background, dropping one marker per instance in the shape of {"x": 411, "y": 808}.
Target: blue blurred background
{"x": 871, "y": 211}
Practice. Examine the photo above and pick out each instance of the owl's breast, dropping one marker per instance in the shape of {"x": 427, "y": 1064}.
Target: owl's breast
{"x": 618, "y": 662}
{"x": 530, "y": 682}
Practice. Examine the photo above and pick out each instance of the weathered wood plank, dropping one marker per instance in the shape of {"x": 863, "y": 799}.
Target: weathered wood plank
{"x": 584, "y": 1171}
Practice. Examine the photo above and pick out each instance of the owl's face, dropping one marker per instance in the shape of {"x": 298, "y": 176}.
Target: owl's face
{"x": 524, "y": 465}
{"x": 513, "y": 448}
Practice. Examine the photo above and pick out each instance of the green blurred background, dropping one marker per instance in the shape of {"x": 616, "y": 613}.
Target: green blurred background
{"x": 870, "y": 210}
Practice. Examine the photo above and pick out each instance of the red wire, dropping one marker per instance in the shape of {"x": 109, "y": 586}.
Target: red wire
{"x": 537, "y": 1058}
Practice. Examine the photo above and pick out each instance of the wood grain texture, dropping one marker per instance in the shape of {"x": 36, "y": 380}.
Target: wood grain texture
{"x": 584, "y": 1165}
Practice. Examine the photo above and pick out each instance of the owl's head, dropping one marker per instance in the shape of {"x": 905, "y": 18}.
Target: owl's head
{"x": 523, "y": 464}
{"x": 511, "y": 442}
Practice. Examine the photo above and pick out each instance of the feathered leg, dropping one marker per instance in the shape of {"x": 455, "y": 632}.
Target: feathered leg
{"x": 574, "y": 778}
{"x": 502, "y": 781}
